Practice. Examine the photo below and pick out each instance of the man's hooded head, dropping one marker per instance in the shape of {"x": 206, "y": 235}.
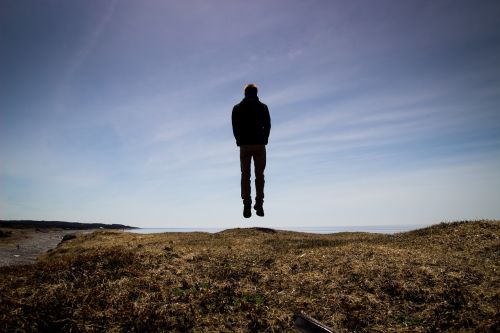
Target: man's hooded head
{"x": 251, "y": 90}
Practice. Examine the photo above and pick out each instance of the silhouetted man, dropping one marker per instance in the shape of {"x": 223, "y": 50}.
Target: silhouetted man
{"x": 251, "y": 128}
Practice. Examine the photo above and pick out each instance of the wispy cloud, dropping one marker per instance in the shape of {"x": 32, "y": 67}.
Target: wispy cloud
{"x": 371, "y": 106}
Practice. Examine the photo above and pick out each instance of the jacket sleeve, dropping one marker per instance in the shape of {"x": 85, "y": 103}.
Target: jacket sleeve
{"x": 267, "y": 123}
{"x": 236, "y": 125}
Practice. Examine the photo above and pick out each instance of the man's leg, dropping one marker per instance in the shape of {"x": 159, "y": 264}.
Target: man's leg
{"x": 245, "y": 162}
{"x": 259, "y": 158}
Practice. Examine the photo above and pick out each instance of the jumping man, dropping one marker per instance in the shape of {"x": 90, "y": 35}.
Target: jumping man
{"x": 251, "y": 128}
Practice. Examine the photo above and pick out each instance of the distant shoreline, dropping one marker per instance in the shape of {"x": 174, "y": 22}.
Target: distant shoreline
{"x": 28, "y": 224}
{"x": 382, "y": 229}
{"x": 22, "y": 241}
{"x": 21, "y": 246}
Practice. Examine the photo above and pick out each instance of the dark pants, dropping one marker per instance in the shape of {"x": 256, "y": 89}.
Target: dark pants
{"x": 258, "y": 153}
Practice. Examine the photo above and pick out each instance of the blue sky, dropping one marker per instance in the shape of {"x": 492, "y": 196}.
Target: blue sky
{"x": 383, "y": 112}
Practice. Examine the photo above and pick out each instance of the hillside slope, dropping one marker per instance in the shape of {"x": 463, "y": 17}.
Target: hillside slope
{"x": 441, "y": 278}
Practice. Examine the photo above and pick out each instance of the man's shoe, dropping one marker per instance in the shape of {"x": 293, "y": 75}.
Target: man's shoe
{"x": 259, "y": 210}
{"x": 247, "y": 211}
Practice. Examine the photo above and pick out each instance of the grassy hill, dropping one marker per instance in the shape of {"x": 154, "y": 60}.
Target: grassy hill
{"x": 442, "y": 278}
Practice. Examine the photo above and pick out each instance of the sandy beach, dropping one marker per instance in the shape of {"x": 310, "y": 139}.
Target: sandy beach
{"x": 23, "y": 246}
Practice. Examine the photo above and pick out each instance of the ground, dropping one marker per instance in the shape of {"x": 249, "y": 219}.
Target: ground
{"x": 441, "y": 278}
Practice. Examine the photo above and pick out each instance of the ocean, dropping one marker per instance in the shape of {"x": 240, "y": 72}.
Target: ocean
{"x": 382, "y": 229}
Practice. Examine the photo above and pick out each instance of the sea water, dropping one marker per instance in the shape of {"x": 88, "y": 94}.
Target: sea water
{"x": 382, "y": 229}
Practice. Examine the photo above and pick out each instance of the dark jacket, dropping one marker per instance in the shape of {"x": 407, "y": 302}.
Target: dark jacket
{"x": 251, "y": 122}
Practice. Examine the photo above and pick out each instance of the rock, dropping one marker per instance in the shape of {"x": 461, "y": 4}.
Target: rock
{"x": 68, "y": 237}
{"x": 5, "y": 233}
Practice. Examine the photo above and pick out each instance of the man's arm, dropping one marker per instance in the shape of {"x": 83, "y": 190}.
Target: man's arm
{"x": 267, "y": 123}
{"x": 236, "y": 125}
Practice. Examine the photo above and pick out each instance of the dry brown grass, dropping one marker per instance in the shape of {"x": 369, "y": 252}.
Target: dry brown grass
{"x": 442, "y": 278}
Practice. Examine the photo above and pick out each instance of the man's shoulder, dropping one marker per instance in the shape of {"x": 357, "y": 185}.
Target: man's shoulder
{"x": 263, "y": 107}
{"x": 249, "y": 104}
{"x": 258, "y": 102}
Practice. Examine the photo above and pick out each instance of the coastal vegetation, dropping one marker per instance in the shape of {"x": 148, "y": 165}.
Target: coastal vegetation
{"x": 441, "y": 278}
